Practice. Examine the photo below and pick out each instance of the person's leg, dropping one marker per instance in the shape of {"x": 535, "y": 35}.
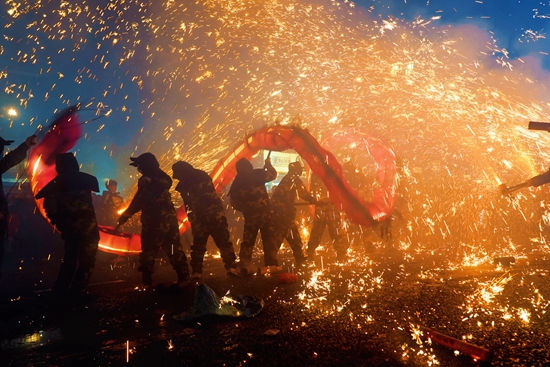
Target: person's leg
{"x": 68, "y": 266}
{"x": 340, "y": 246}
{"x": 172, "y": 247}
{"x": 280, "y": 231}
{"x": 149, "y": 248}
{"x": 267, "y": 231}
{"x": 220, "y": 234}
{"x": 295, "y": 241}
{"x": 250, "y": 232}
{"x": 315, "y": 236}
{"x": 198, "y": 248}
{"x": 87, "y": 252}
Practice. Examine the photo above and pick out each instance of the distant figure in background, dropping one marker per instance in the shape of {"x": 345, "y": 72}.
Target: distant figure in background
{"x": 249, "y": 196}
{"x": 110, "y": 203}
{"x": 10, "y": 160}
{"x": 289, "y": 189}
{"x": 159, "y": 224}
{"x": 68, "y": 206}
{"x": 326, "y": 216}
{"x": 207, "y": 216}
{"x": 386, "y": 226}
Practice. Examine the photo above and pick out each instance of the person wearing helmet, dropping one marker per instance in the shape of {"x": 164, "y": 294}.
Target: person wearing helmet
{"x": 289, "y": 189}
{"x": 206, "y": 214}
{"x": 248, "y": 195}
{"x": 159, "y": 224}
{"x": 10, "y": 160}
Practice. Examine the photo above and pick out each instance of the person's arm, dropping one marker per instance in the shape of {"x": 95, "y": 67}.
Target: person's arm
{"x": 17, "y": 155}
{"x": 137, "y": 201}
{"x": 270, "y": 171}
{"x": 538, "y": 180}
{"x": 303, "y": 193}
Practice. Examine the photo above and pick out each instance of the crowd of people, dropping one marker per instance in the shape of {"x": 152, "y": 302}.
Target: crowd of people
{"x": 74, "y": 206}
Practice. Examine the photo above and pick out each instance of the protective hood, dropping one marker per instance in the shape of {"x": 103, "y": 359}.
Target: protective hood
{"x": 66, "y": 163}
{"x": 244, "y": 166}
{"x": 182, "y": 169}
{"x": 146, "y": 162}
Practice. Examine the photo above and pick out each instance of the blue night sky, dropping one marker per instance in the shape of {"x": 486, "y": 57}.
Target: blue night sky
{"x": 520, "y": 26}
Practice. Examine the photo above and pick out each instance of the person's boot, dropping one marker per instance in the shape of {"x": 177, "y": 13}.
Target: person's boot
{"x": 147, "y": 280}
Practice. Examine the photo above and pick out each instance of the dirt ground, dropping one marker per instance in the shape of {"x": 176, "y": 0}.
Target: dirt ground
{"x": 369, "y": 310}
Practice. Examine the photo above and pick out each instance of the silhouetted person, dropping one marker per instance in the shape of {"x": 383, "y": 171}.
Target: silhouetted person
{"x": 289, "y": 189}
{"x": 159, "y": 224}
{"x": 386, "y": 226}
{"x": 68, "y": 205}
{"x": 326, "y": 216}
{"x": 10, "y": 160}
{"x": 206, "y": 214}
{"x": 249, "y": 196}
{"x": 111, "y": 202}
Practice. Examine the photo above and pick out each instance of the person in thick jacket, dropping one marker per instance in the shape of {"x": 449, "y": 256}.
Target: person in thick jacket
{"x": 326, "y": 216}
{"x": 289, "y": 189}
{"x": 249, "y": 196}
{"x": 206, "y": 214}
{"x": 10, "y": 160}
{"x": 68, "y": 205}
{"x": 159, "y": 224}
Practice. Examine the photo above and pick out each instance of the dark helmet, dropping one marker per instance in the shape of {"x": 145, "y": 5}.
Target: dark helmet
{"x": 243, "y": 165}
{"x": 66, "y": 163}
{"x": 146, "y": 162}
{"x": 111, "y": 183}
{"x": 295, "y": 168}
{"x": 181, "y": 169}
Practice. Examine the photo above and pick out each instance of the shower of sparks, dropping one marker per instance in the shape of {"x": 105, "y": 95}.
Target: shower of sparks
{"x": 491, "y": 304}
{"x": 446, "y": 98}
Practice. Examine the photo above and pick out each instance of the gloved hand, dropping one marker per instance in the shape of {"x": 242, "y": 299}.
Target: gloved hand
{"x": 30, "y": 141}
{"x": 121, "y": 220}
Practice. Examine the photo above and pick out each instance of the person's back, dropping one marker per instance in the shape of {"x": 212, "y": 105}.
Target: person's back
{"x": 248, "y": 188}
{"x": 206, "y": 214}
{"x": 159, "y": 224}
{"x": 326, "y": 216}
{"x": 68, "y": 205}
{"x": 248, "y": 195}
{"x": 284, "y": 196}
{"x": 199, "y": 194}
{"x": 289, "y": 189}
{"x": 68, "y": 198}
